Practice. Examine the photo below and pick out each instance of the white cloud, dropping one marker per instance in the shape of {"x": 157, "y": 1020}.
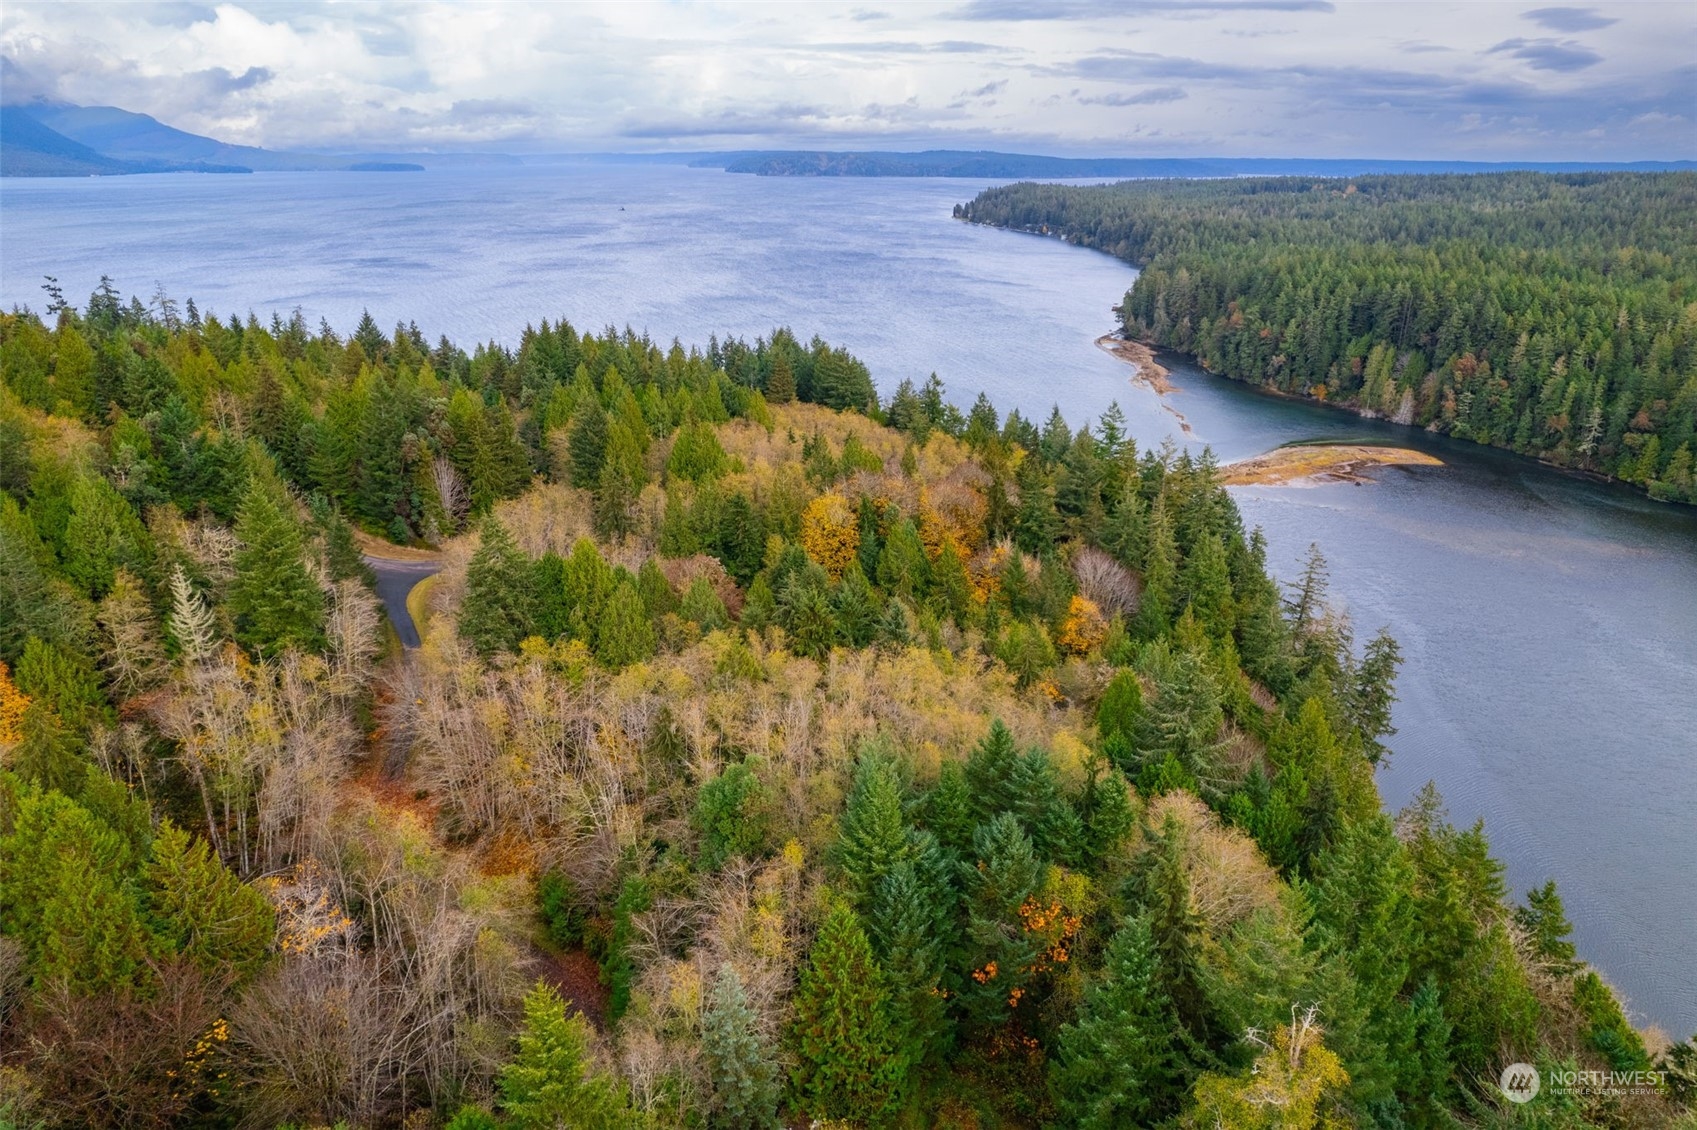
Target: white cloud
{"x": 1181, "y": 76}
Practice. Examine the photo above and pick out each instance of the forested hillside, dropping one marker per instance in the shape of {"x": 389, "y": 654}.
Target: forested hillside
{"x": 772, "y": 755}
{"x": 1554, "y": 315}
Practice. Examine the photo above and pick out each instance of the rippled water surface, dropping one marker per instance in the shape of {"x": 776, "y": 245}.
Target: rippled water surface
{"x": 1549, "y": 624}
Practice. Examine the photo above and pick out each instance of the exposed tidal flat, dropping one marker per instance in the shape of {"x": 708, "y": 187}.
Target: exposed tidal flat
{"x": 1549, "y": 624}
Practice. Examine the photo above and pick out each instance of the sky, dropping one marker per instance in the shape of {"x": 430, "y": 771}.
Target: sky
{"x": 1308, "y": 78}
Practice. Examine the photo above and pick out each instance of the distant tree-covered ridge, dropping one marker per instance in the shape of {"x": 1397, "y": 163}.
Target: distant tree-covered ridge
{"x": 1554, "y": 315}
{"x": 774, "y": 755}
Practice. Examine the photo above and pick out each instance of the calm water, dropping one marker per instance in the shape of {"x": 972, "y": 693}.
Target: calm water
{"x": 1549, "y": 625}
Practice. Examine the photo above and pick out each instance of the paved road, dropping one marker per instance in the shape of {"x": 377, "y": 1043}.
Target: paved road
{"x": 394, "y": 580}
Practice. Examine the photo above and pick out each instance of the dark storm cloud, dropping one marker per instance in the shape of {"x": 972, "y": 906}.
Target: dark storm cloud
{"x": 1549, "y": 54}
{"x": 1569, "y": 19}
{"x": 1154, "y": 96}
{"x": 1022, "y": 10}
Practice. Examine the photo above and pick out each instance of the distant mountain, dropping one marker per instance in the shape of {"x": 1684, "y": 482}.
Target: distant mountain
{"x": 989, "y": 165}
{"x": 57, "y": 139}
{"x": 28, "y": 148}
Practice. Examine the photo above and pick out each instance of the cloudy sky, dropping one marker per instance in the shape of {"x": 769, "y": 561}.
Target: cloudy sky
{"x": 1133, "y": 77}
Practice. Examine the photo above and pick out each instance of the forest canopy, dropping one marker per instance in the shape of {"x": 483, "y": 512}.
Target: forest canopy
{"x": 773, "y": 753}
{"x": 1551, "y": 314}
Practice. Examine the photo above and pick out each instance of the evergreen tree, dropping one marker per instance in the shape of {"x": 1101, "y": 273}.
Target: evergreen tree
{"x": 553, "y": 1081}
{"x": 499, "y": 608}
{"x": 847, "y": 1064}
{"x": 780, "y": 385}
{"x": 1117, "y": 1064}
{"x": 701, "y": 605}
{"x": 1160, "y": 575}
{"x": 741, "y": 1065}
{"x": 102, "y": 536}
{"x": 1544, "y": 922}
{"x": 624, "y": 634}
{"x": 1204, "y": 585}
{"x": 873, "y": 835}
{"x": 588, "y": 445}
{"x": 733, "y": 816}
{"x": 273, "y": 599}
{"x": 907, "y": 928}
{"x": 203, "y": 912}
{"x": 903, "y": 568}
{"x": 1001, "y": 952}
{"x": 854, "y": 606}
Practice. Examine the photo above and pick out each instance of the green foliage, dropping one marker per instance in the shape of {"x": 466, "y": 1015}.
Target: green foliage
{"x": 1533, "y": 311}
{"x": 732, "y": 815}
{"x": 202, "y": 911}
{"x": 846, "y": 1063}
{"x": 624, "y": 634}
{"x": 499, "y": 608}
{"x": 873, "y": 836}
{"x": 1118, "y": 1065}
{"x": 553, "y": 1081}
{"x": 274, "y": 601}
{"x": 740, "y": 1064}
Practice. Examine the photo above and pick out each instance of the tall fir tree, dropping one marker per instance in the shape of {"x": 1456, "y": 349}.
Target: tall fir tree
{"x": 553, "y": 1081}
{"x": 273, "y": 599}
{"x": 499, "y": 608}
{"x": 741, "y": 1064}
{"x": 846, "y": 1064}
{"x": 1117, "y": 1064}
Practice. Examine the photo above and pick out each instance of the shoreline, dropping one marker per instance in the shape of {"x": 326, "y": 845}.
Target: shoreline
{"x": 1150, "y": 373}
{"x": 1146, "y": 372}
{"x": 1321, "y": 463}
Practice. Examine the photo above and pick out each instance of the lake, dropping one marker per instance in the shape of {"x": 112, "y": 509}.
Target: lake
{"x": 1549, "y": 624}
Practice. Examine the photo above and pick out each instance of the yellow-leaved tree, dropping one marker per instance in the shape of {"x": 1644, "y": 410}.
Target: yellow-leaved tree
{"x": 13, "y": 703}
{"x": 830, "y": 533}
{"x": 1288, "y": 1088}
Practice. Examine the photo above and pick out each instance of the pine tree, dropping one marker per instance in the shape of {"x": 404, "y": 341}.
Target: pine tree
{"x": 624, "y": 634}
{"x": 1174, "y": 926}
{"x": 903, "y": 568}
{"x": 202, "y": 911}
{"x": 702, "y": 606}
{"x": 906, "y": 927}
{"x": 499, "y": 608}
{"x": 741, "y": 1065}
{"x": 1117, "y": 716}
{"x": 588, "y": 445}
{"x": 553, "y": 1082}
{"x": 1001, "y": 952}
{"x": 855, "y": 608}
{"x": 1204, "y": 584}
{"x": 614, "y": 502}
{"x": 846, "y": 1058}
{"x": 273, "y": 599}
{"x": 780, "y": 385}
{"x": 1160, "y": 575}
{"x": 1544, "y": 921}
{"x": 1117, "y": 1065}
{"x": 873, "y": 835}
{"x": 102, "y": 535}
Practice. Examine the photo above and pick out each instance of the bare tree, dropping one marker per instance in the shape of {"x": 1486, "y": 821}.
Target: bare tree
{"x": 451, "y": 489}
